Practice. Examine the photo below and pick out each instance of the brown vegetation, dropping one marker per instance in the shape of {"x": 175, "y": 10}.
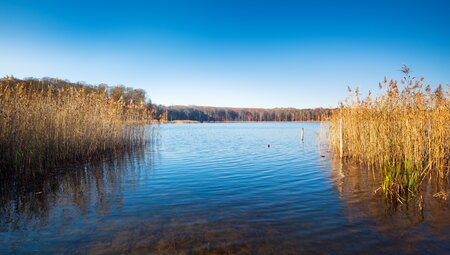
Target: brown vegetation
{"x": 402, "y": 132}
{"x": 44, "y": 123}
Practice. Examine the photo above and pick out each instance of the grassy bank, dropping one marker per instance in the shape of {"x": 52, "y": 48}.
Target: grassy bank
{"x": 402, "y": 132}
{"x": 44, "y": 124}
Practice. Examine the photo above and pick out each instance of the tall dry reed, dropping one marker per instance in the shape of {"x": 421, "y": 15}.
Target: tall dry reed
{"x": 402, "y": 132}
{"x": 43, "y": 127}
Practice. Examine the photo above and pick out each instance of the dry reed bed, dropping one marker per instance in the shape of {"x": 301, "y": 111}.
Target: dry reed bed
{"x": 41, "y": 128}
{"x": 404, "y": 133}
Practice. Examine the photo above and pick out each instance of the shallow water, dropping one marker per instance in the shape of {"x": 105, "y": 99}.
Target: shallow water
{"x": 219, "y": 188}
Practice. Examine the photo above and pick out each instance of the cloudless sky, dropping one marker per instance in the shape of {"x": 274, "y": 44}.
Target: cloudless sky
{"x": 228, "y": 53}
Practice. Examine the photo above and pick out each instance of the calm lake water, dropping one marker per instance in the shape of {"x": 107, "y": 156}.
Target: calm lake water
{"x": 219, "y": 189}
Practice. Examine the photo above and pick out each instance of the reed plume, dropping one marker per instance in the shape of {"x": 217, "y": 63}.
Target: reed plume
{"x": 43, "y": 125}
{"x": 403, "y": 132}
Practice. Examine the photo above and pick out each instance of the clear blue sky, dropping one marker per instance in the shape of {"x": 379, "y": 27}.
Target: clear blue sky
{"x": 228, "y": 53}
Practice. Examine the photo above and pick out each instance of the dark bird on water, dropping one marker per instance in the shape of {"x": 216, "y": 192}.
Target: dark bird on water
{"x": 268, "y": 146}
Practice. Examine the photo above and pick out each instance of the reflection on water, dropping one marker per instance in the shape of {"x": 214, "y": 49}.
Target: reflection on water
{"x": 421, "y": 222}
{"x": 64, "y": 199}
{"x": 217, "y": 189}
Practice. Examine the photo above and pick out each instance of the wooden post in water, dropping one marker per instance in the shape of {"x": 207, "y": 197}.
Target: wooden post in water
{"x": 341, "y": 139}
{"x": 302, "y": 134}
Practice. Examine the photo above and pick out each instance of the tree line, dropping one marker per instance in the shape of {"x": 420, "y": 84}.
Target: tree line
{"x": 208, "y": 113}
{"x": 128, "y": 97}
{"x": 120, "y": 92}
{"x": 131, "y": 96}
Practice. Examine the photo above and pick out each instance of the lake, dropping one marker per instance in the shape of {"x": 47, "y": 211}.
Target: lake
{"x": 219, "y": 188}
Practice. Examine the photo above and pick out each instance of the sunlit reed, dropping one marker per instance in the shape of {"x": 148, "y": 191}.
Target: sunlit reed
{"x": 402, "y": 133}
{"x": 42, "y": 127}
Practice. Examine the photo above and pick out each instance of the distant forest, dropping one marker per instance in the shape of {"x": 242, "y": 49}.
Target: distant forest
{"x": 152, "y": 111}
{"x": 208, "y": 113}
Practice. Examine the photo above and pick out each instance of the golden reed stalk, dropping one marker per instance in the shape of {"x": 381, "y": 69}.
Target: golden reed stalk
{"x": 42, "y": 127}
{"x": 402, "y": 132}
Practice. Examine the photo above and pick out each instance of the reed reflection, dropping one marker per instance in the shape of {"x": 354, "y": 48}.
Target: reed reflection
{"x": 70, "y": 193}
{"x": 421, "y": 219}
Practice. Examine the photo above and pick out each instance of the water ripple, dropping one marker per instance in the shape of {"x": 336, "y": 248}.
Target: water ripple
{"x": 210, "y": 189}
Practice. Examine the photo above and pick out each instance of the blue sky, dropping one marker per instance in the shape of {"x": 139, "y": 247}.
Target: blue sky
{"x": 228, "y": 53}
